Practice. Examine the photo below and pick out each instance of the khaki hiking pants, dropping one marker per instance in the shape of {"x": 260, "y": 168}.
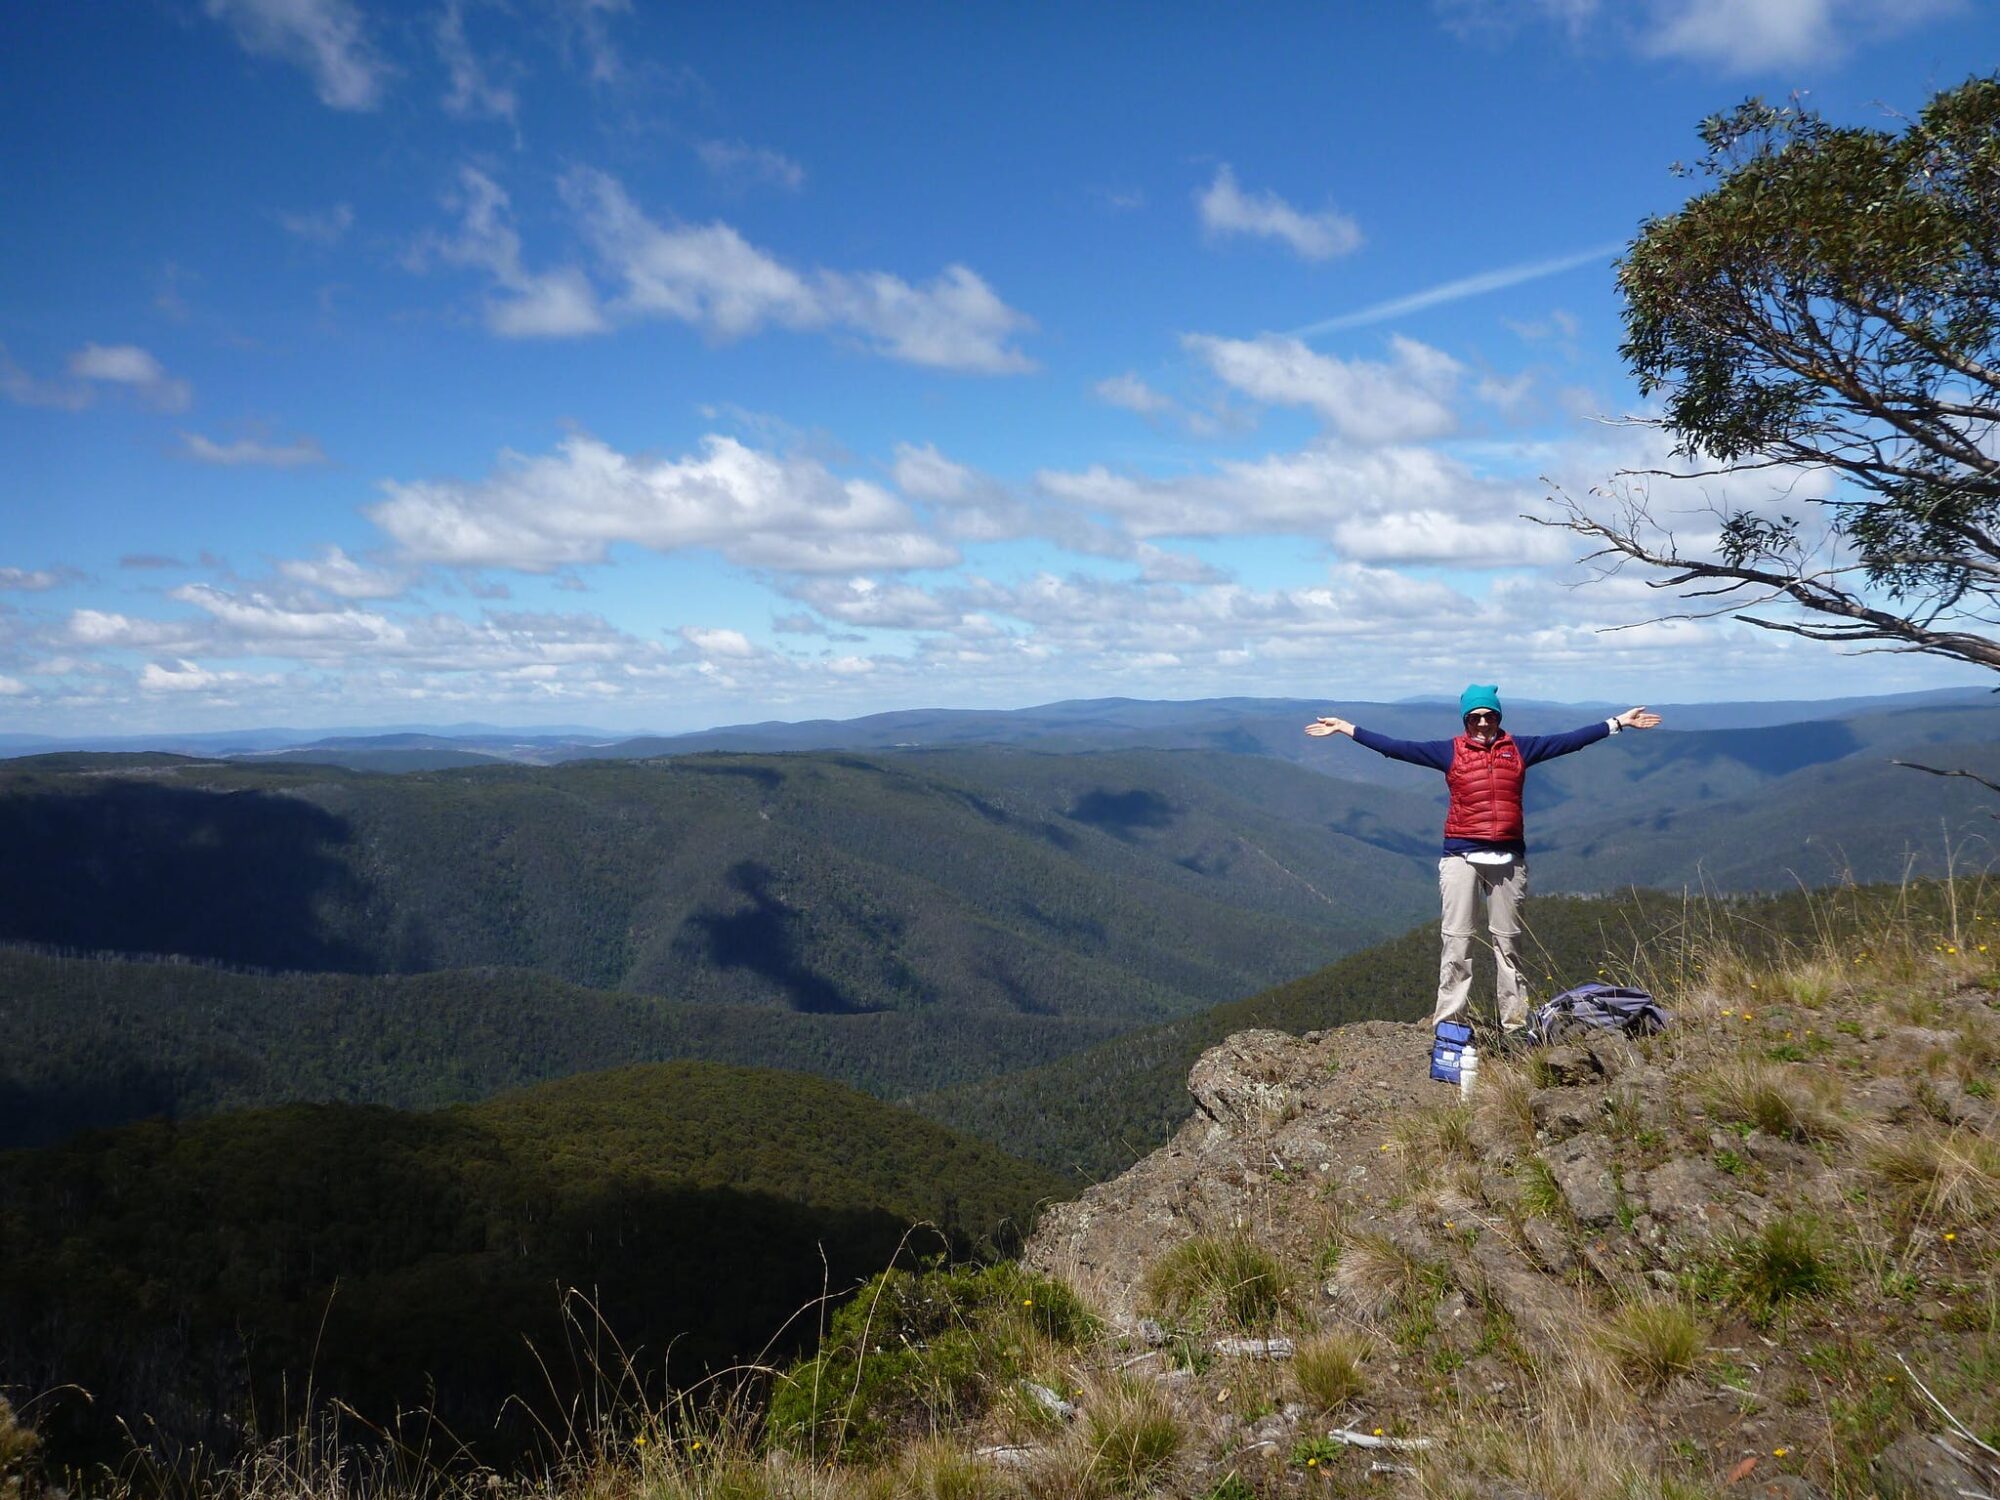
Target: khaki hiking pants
{"x": 1463, "y": 886}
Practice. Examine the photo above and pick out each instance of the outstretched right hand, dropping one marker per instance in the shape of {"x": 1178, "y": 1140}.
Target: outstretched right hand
{"x": 1326, "y": 726}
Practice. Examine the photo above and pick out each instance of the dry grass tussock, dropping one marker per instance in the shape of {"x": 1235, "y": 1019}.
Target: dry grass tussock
{"x": 1943, "y": 1174}
{"x": 1219, "y": 1281}
{"x": 1376, "y": 1273}
{"x": 1331, "y": 1369}
{"x": 1557, "y": 1459}
{"x": 1778, "y": 1099}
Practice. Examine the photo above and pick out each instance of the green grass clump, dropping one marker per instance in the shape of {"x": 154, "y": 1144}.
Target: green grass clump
{"x": 1791, "y": 1259}
{"x": 1230, "y": 1281}
{"x": 915, "y": 1352}
{"x": 1652, "y": 1342}
{"x": 1328, "y": 1368}
{"x": 1134, "y": 1434}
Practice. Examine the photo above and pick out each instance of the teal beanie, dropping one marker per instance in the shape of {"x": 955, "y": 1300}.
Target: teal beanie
{"x": 1479, "y": 697}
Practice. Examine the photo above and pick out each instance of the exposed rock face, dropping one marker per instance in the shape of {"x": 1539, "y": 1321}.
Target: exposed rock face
{"x": 1919, "y": 1467}
{"x": 1582, "y": 1169}
{"x": 1248, "y": 1077}
{"x": 1273, "y": 1110}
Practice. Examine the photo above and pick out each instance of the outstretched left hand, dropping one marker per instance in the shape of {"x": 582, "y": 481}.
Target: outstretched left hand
{"x": 1639, "y": 718}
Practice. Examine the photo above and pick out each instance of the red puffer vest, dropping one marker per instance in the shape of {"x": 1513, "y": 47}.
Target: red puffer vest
{"x": 1485, "y": 783}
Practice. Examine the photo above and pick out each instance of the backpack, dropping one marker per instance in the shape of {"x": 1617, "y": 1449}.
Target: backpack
{"x": 1592, "y": 1007}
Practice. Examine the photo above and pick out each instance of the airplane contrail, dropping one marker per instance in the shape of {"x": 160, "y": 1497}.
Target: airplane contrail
{"x": 1453, "y": 291}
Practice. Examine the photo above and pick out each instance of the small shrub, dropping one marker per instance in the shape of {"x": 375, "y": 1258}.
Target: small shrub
{"x": 1653, "y": 1342}
{"x": 1788, "y": 1260}
{"x": 1134, "y": 1434}
{"x": 1218, "y": 1280}
{"x": 1328, "y": 1368}
{"x": 913, "y": 1351}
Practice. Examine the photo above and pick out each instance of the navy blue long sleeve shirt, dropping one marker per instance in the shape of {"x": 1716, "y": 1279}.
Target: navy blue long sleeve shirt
{"x": 1437, "y": 755}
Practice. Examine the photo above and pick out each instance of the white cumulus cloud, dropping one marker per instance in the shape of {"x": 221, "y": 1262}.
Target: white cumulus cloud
{"x": 134, "y": 368}
{"x": 1746, "y": 36}
{"x": 334, "y": 572}
{"x": 569, "y": 507}
{"x": 718, "y": 641}
{"x": 1366, "y": 401}
{"x": 478, "y": 87}
{"x": 558, "y": 303}
{"x": 711, "y": 277}
{"x": 1226, "y": 209}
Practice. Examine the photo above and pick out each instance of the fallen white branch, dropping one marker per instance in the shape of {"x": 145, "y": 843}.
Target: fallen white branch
{"x": 1956, "y": 1426}
{"x": 1011, "y": 1455}
{"x": 1355, "y": 1439}
{"x": 1254, "y": 1348}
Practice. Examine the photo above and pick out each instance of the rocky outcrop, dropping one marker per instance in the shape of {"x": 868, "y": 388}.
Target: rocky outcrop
{"x": 1473, "y": 1241}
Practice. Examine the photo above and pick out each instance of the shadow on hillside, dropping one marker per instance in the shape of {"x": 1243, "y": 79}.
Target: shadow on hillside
{"x": 1364, "y": 827}
{"x": 1123, "y": 814}
{"x": 239, "y": 877}
{"x": 423, "y": 1270}
{"x": 767, "y": 777}
{"x": 760, "y": 938}
{"x": 42, "y": 1111}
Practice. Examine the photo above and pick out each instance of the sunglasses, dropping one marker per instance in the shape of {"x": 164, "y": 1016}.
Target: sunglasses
{"x": 1482, "y": 716}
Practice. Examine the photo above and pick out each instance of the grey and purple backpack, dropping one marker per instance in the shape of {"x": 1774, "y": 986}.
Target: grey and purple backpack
{"x": 1595, "y": 1008}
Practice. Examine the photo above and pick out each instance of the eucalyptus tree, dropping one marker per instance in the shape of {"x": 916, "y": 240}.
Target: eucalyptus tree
{"x": 1827, "y": 310}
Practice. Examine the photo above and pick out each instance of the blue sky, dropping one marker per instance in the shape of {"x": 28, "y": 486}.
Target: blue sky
{"x": 659, "y": 366}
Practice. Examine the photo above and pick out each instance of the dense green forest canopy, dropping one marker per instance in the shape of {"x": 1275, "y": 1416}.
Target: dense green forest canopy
{"x": 193, "y": 1273}
{"x": 1131, "y": 886}
{"x": 104, "y": 1041}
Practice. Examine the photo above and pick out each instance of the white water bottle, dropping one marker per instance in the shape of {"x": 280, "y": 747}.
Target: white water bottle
{"x": 1468, "y": 1070}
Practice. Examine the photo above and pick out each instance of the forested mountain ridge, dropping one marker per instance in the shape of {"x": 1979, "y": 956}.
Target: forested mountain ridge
{"x": 94, "y": 1042}
{"x": 397, "y": 1260}
{"x": 1130, "y": 886}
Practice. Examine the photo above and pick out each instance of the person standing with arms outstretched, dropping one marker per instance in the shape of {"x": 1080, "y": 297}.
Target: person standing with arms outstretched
{"x": 1485, "y": 859}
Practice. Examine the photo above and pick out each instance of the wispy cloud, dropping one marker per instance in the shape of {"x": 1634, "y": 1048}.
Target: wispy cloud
{"x": 741, "y": 164}
{"x": 479, "y": 89}
{"x": 1226, "y": 209}
{"x": 299, "y": 453}
{"x": 1459, "y": 290}
{"x": 320, "y": 226}
{"x": 327, "y": 38}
